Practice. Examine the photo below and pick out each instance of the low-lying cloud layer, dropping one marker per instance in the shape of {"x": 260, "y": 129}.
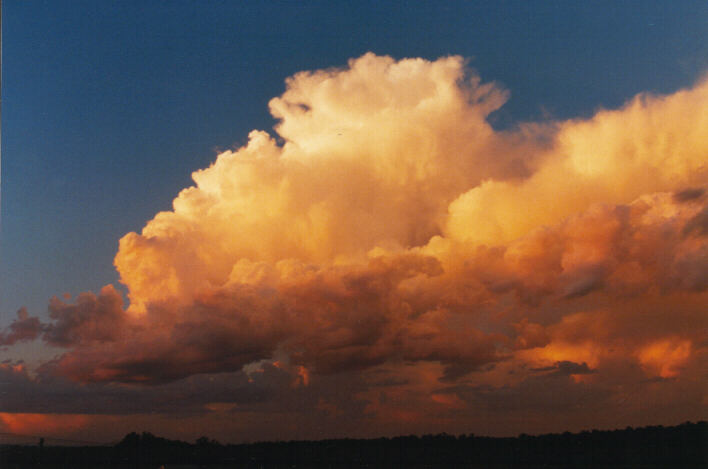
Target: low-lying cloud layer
{"x": 388, "y": 230}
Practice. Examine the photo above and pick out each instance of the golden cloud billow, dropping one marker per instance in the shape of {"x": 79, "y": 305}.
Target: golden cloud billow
{"x": 388, "y": 226}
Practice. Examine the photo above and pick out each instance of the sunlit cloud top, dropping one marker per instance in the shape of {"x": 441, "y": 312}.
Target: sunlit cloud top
{"x": 386, "y": 226}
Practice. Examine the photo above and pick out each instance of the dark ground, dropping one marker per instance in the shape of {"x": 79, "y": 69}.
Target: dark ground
{"x": 682, "y": 446}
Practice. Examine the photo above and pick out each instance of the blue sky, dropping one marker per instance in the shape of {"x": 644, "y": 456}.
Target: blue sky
{"x": 109, "y": 106}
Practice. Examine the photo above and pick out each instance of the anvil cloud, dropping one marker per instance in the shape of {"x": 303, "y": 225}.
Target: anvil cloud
{"x": 387, "y": 234}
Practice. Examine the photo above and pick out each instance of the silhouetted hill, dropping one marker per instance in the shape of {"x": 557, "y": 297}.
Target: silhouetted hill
{"x": 682, "y": 446}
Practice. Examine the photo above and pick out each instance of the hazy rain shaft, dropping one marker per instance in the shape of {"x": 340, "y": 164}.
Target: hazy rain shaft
{"x": 387, "y": 226}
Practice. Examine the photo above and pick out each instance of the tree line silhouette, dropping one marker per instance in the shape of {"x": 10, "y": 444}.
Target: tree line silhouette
{"x": 681, "y": 446}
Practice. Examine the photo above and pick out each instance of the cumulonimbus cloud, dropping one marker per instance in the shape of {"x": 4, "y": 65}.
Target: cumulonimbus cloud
{"x": 389, "y": 223}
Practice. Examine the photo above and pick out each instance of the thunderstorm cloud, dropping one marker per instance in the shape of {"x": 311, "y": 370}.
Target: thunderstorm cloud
{"x": 388, "y": 239}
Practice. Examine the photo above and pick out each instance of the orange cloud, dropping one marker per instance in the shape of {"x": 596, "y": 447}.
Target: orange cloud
{"x": 303, "y": 376}
{"x": 665, "y": 357}
{"x": 450, "y": 400}
{"x": 387, "y": 224}
{"x": 42, "y": 424}
{"x": 653, "y": 144}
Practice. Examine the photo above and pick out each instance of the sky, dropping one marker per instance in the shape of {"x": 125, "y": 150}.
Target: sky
{"x": 277, "y": 220}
